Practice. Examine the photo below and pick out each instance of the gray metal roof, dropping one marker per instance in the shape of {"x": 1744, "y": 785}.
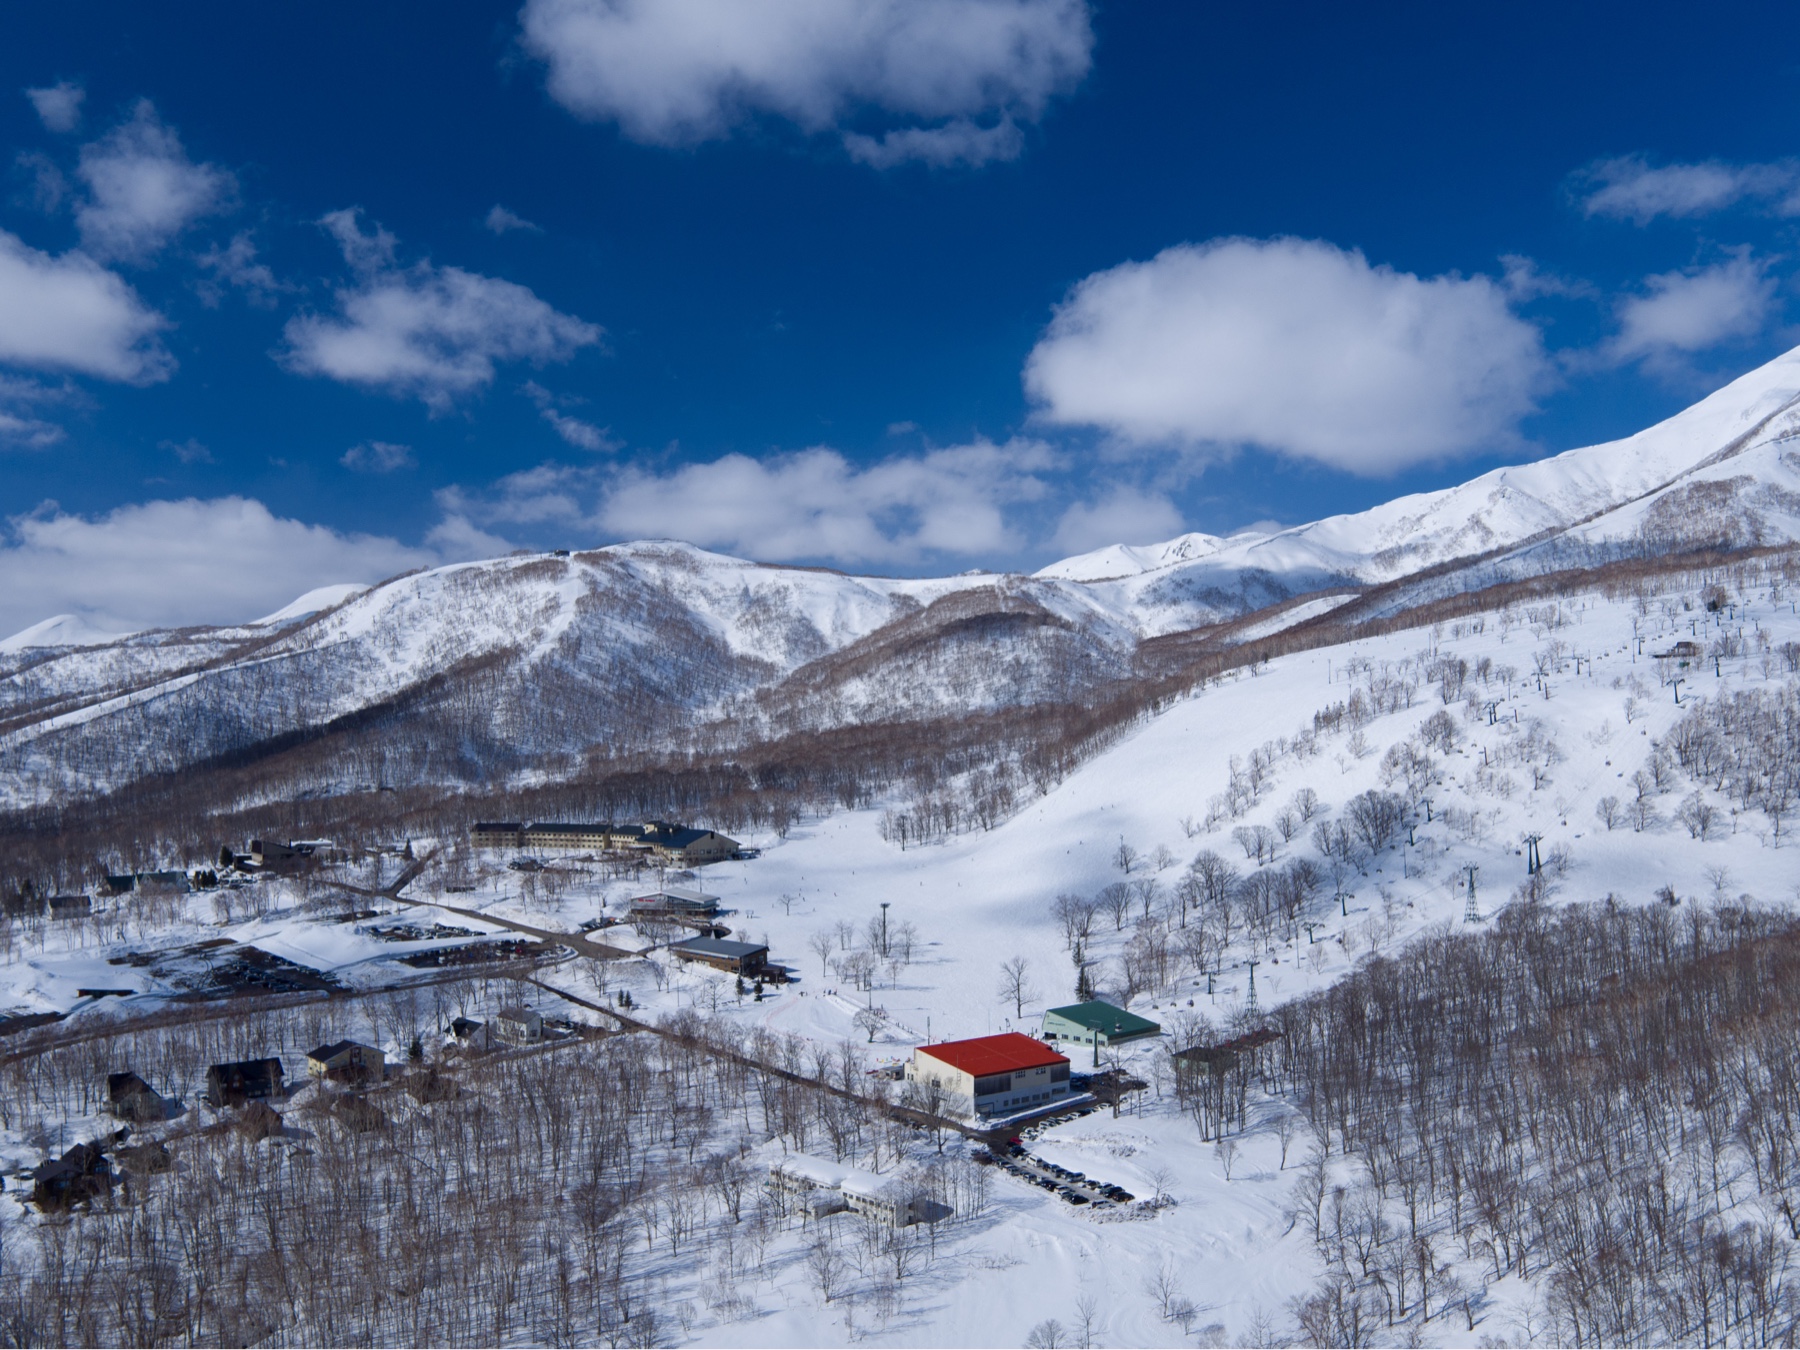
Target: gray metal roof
{"x": 706, "y": 946}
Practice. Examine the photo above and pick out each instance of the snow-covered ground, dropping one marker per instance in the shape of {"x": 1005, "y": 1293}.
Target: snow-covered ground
{"x": 1589, "y": 721}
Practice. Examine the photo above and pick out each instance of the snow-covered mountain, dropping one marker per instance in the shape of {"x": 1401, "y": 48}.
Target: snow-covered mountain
{"x": 1726, "y": 470}
{"x": 481, "y": 669}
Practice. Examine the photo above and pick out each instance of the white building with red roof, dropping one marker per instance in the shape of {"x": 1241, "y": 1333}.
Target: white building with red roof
{"x": 991, "y": 1075}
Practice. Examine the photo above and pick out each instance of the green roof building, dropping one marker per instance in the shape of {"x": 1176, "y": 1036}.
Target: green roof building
{"x": 1095, "y": 1023}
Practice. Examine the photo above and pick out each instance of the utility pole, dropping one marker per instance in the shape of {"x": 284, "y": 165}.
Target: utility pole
{"x": 884, "y": 936}
{"x": 1470, "y": 913}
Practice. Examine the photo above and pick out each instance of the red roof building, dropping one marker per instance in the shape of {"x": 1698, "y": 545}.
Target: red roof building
{"x": 990, "y": 1075}
{"x": 982, "y": 1055}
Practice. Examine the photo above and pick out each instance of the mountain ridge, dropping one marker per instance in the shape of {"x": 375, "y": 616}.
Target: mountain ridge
{"x": 529, "y": 663}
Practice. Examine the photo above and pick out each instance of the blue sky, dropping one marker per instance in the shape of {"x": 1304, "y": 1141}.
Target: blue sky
{"x": 293, "y": 295}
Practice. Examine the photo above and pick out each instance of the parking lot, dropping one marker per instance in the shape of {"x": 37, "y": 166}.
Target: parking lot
{"x": 1073, "y": 1188}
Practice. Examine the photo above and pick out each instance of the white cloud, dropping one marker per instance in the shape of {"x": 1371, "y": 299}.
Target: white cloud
{"x": 1292, "y": 345}
{"x": 378, "y": 457}
{"x": 49, "y": 187}
{"x": 58, "y": 106}
{"x": 813, "y": 504}
{"x": 178, "y": 562}
{"x": 957, "y": 143}
{"x": 20, "y": 427}
{"x": 69, "y": 313}
{"x": 457, "y": 539}
{"x": 1524, "y": 280}
{"x": 235, "y": 265}
{"x": 1123, "y": 516}
{"x": 190, "y": 451}
{"x": 816, "y": 504}
{"x": 500, "y": 221}
{"x": 27, "y": 433}
{"x": 1629, "y": 188}
{"x": 1681, "y": 313}
{"x": 679, "y": 72}
{"x": 428, "y": 332}
{"x": 143, "y": 190}
{"x": 582, "y": 435}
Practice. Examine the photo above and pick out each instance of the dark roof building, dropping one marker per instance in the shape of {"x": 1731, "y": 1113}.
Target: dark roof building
{"x": 676, "y": 900}
{"x": 81, "y": 1174}
{"x": 346, "y": 1060}
{"x": 741, "y": 958}
{"x": 242, "y": 1081}
{"x": 130, "y": 1098}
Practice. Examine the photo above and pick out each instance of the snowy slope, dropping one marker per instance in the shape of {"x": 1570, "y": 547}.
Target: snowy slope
{"x": 986, "y": 896}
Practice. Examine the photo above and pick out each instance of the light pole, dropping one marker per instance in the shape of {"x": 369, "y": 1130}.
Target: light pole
{"x": 884, "y": 935}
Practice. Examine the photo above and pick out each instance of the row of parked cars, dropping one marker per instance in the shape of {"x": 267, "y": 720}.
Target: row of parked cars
{"x": 1061, "y": 1180}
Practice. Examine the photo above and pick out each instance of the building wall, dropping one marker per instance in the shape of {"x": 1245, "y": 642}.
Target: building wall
{"x": 712, "y": 848}
{"x": 1062, "y": 1029}
{"x": 999, "y": 1094}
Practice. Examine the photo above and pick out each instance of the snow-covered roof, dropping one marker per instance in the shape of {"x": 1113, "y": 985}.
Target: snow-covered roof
{"x": 837, "y": 1176}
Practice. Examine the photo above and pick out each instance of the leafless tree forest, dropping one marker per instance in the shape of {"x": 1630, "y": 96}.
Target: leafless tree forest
{"x": 1605, "y": 1100}
{"x": 589, "y": 1191}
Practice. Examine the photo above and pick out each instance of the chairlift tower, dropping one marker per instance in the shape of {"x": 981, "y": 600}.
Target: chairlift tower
{"x": 1250, "y": 1003}
{"x": 1470, "y": 913}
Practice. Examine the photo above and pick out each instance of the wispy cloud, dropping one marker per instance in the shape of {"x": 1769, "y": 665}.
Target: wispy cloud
{"x": 190, "y": 451}
{"x": 679, "y": 72}
{"x": 582, "y": 435}
{"x": 502, "y": 221}
{"x": 1631, "y": 188}
{"x": 1679, "y": 314}
{"x": 235, "y": 265}
{"x": 426, "y": 332}
{"x": 378, "y": 457}
{"x": 58, "y": 106}
{"x": 21, "y": 428}
{"x": 143, "y": 190}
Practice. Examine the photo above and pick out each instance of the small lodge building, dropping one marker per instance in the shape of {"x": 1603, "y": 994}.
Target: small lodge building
{"x": 820, "y": 1188}
{"x": 66, "y": 907}
{"x": 346, "y": 1062}
{"x": 517, "y": 1026}
{"x": 1097, "y": 1024}
{"x": 678, "y": 845}
{"x": 245, "y": 1080}
{"x": 685, "y": 847}
{"x": 81, "y": 1174}
{"x": 992, "y": 1075}
{"x": 129, "y": 1097}
{"x": 267, "y": 853}
{"x": 736, "y": 958}
{"x": 676, "y": 900}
